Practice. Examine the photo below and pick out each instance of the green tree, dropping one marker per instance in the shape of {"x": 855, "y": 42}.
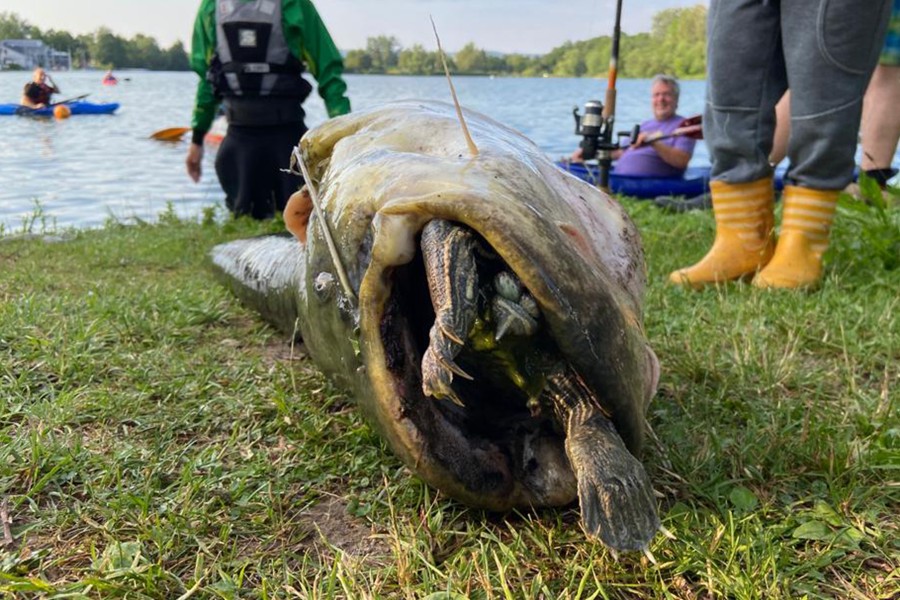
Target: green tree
{"x": 176, "y": 58}
{"x": 60, "y": 40}
{"x": 418, "y": 61}
{"x": 572, "y": 63}
{"x": 108, "y": 49}
{"x": 517, "y": 63}
{"x": 384, "y": 52}
{"x": 14, "y": 27}
{"x": 358, "y": 61}
{"x": 471, "y": 59}
{"x": 143, "y": 51}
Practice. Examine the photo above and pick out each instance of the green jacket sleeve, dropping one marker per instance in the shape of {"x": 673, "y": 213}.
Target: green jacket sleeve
{"x": 310, "y": 41}
{"x": 203, "y": 46}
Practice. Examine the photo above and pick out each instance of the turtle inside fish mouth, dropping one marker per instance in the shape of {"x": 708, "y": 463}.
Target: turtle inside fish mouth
{"x": 485, "y": 401}
{"x": 487, "y": 318}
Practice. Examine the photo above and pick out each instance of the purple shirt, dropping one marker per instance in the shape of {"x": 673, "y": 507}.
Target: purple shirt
{"x": 645, "y": 160}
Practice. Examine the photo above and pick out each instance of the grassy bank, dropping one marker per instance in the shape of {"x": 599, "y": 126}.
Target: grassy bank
{"x": 159, "y": 441}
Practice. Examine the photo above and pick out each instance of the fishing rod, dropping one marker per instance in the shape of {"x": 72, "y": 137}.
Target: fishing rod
{"x": 596, "y": 126}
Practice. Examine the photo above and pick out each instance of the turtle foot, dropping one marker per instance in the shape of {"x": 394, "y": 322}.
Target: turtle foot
{"x": 614, "y": 491}
{"x": 438, "y": 368}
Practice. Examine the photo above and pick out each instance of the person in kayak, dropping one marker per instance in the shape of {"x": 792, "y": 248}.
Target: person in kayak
{"x": 658, "y": 158}
{"x": 109, "y": 78}
{"x": 250, "y": 56}
{"x": 753, "y": 50}
{"x": 651, "y": 157}
{"x": 39, "y": 91}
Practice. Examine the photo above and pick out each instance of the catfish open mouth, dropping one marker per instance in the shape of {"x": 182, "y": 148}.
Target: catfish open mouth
{"x": 496, "y": 445}
{"x": 494, "y": 417}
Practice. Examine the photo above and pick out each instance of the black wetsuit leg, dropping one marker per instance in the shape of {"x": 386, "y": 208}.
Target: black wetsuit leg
{"x": 249, "y": 164}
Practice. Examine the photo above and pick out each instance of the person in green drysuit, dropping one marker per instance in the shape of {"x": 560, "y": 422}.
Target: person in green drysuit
{"x": 250, "y": 55}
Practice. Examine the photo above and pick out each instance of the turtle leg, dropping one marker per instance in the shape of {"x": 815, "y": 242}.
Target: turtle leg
{"x": 449, "y": 255}
{"x": 614, "y": 491}
{"x": 515, "y": 310}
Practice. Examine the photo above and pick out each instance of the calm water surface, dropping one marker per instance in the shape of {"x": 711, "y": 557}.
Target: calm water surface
{"x": 81, "y": 171}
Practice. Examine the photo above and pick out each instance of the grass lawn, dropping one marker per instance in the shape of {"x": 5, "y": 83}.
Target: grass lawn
{"x": 160, "y": 441}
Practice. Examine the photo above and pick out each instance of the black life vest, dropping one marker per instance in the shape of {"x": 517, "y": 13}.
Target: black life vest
{"x": 252, "y": 58}
{"x": 38, "y": 92}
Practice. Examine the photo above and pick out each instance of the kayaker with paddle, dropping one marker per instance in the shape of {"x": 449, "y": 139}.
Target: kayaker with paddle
{"x": 655, "y": 152}
{"x": 665, "y": 144}
{"x": 39, "y": 91}
{"x": 250, "y": 56}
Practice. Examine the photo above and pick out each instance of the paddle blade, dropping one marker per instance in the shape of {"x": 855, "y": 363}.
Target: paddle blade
{"x": 691, "y": 127}
{"x": 172, "y": 134}
{"x": 691, "y": 131}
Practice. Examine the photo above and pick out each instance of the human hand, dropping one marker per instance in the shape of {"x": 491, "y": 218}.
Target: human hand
{"x": 194, "y": 161}
{"x": 645, "y": 138}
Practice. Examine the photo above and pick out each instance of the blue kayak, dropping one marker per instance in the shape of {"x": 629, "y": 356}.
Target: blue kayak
{"x": 694, "y": 182}
{"x": 77, "y": 108}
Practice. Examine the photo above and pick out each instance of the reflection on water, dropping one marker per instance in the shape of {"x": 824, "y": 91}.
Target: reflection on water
{"x": 89, "y": 168}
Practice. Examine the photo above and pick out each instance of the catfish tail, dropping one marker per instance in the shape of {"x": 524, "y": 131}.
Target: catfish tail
{"x": 265, "y": 274}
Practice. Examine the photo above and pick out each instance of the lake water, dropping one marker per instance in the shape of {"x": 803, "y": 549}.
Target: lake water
{"x": 81, "y": 171}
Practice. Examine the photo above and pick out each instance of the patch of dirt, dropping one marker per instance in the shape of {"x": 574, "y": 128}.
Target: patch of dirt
{"x": 276, "y": 348}
{"x": 330, "y": 520}
{"x": 281, "y": 350}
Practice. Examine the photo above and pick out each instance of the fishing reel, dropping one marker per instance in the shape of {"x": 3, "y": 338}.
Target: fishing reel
{"x": 594, "y": 129}
{"x": 597, "y": 143}
{"x": 596, "y": 132}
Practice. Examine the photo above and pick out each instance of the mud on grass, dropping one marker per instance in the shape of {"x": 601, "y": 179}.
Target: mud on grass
{"x": 159, "y": 441}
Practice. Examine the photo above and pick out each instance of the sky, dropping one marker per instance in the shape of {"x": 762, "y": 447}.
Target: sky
{"x": 526, "y": 26}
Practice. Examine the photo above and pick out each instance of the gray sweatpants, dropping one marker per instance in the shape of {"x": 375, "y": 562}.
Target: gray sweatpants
{"x": 825, "y": 50}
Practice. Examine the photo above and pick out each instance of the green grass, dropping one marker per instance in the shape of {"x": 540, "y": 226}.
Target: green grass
{"x": 159, "y": 441}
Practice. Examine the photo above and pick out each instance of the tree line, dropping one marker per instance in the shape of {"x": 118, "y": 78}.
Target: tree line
{"x": 102, "y": 48}
{"x": 676, "y": 44}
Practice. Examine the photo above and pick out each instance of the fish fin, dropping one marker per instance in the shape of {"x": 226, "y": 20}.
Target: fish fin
{"x": 297, "y": 212}
{"x": 473, "y": 149}
{"x": 297, "y": 161}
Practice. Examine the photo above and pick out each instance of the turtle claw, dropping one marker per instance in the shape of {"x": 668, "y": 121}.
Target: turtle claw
{"x": 450, "y": 334}
{"x": 512, "y": 318}
{"x": 453, "y": 397}
{"x": 451, "y": 366}
{"x": 448, "y": 253}
{"x": 616, "y": 498}
{"x": 667, "y": 533}
{"x": 437, "y": 376}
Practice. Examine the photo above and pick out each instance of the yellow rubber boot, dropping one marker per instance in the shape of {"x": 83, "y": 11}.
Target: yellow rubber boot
{"x": 744, "y": 225}
{"x": 805, "y": 230}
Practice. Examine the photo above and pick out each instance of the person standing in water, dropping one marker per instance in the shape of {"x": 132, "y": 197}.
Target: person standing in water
{"x": 250, "y": 55}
